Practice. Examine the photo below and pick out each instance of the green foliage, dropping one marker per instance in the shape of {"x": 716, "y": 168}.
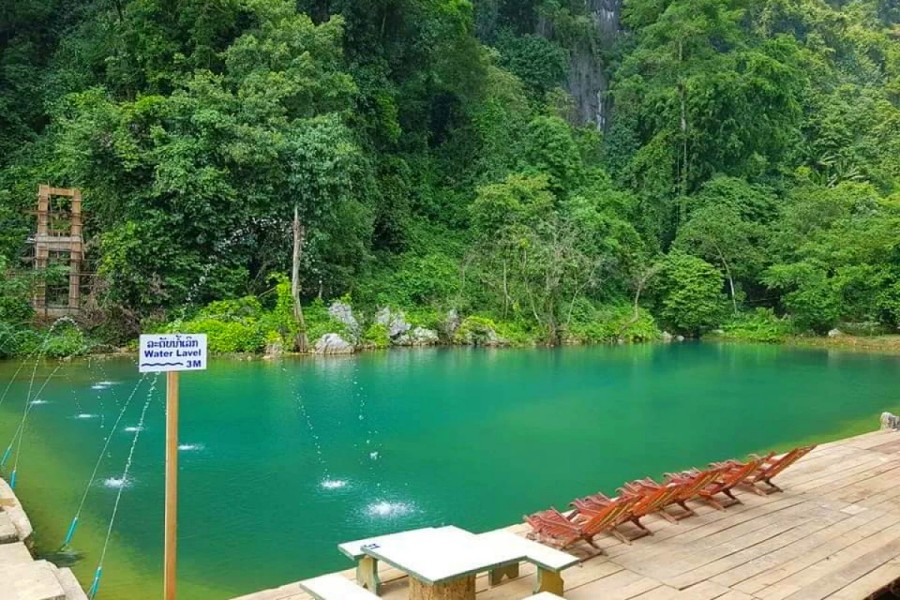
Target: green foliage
{"x": 810, "y": 295}
{"x": 477, "y": 331}
{"x": 413, "y": 280}
{"x": 377, "y": 335}
{"x": 230, "y": 325}
{"x": 319, "y": 322}
{"x": 65, "y": 340}
{"x": 838, "y": 252}
{"x": 427, "y": 317}
{"x": 760, "y": 325}
{"x": 540, "y": 63}
{"x": 62, "y": 339}
{"x": 445, "y": 154}
{"x": 611, "y": 323}
{"x": 693, "y": 300}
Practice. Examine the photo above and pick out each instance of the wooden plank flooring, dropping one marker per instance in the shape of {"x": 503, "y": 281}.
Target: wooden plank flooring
{"x": 833, "y": 533}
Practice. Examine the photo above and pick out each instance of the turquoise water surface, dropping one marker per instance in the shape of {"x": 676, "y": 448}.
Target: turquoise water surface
{"x": 283, "y": 459}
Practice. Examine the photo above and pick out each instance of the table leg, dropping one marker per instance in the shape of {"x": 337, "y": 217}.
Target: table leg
{"x": 367, "y": 574}
{"x": 458, "y": 589}
{"x": 495, "y": 576}
{"x": 548, "y": 581}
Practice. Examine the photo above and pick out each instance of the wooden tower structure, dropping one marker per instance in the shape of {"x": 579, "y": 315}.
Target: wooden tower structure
{"x": 59, "y": 237}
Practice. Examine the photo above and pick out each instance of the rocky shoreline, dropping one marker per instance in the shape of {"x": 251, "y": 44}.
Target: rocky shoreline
{"x": 28, "y": 578}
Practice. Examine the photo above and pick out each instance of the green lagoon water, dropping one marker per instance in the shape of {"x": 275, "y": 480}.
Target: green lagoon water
{"x": 281, "y": 460}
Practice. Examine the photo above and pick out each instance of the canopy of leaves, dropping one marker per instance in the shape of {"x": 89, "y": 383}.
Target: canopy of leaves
{"x": 432, "y": 151}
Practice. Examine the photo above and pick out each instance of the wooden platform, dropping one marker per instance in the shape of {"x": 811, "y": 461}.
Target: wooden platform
{"x": 833, "y": 533}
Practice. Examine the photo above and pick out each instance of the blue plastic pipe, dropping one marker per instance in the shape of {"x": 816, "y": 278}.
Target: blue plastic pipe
{"x": 6, "y": 455}
{"x": 71, "y": 532}
{"x": 12, "y": 480}
{"x": 96, "y": 584}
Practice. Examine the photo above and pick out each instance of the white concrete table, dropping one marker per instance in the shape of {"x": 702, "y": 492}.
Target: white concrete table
{"x": 549, "y": 562}
{"x": 442, "y": 563}
{"x": 367, "y": 566}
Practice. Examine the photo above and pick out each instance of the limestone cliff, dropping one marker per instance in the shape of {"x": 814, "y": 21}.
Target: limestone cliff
{"x": 587, "y": 81}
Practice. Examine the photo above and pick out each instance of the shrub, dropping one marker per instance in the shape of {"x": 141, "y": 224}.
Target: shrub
{"x": 611, "y": 323}
{"x": 427, "y": 317}
{"x": 65, "y": 341}
{"x": 225, "y": 336}
{"x": 693, "y": 298}
{"x": 319, "y": 322}
{"x": 377, "y": 335}
{"x": 235, "y": 325}
{"x": 518, "y": 332}
{"x": 761, "y": 325}
{"x": 476, "y": 331}
{"x": 810, "y": 295}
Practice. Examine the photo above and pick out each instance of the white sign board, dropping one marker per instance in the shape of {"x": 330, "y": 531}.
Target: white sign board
{"x": 172, "y": 352}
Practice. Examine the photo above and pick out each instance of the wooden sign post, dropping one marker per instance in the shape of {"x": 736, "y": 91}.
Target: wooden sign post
{"x": 171, "y": 520}
{"x": 171, "y": 353}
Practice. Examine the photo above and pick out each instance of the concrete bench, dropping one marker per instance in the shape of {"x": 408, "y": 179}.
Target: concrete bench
{"x": 366, "y": 566}
{"x": 549, "y": 562}
{"x": 335, "y": 587}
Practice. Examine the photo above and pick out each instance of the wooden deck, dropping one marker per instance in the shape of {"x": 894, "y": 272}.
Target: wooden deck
{"x": 833, "y": 533}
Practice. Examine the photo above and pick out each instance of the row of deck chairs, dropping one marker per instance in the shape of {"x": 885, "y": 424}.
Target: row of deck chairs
{"x": 597, "y": 514}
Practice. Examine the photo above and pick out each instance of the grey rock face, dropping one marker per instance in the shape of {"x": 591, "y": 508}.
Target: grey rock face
{"x": 394, "y": 321}
{"x": 420, "y": 336}
{"x": 451, "y": 322}
{"x": 333, "y": 343}
{"x": 343, "y": 313}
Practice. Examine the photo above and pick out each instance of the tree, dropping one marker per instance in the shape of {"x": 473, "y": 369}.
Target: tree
{"x": 700, "y": 97}
{"x": 810, "y": 296}
{"x": 718, "y": 234}
{"x": 838, "y": 255}
{"x": 221, "y": 163}
{"x": 692, "y": 301}
{"x": 325, "y": 181}
{"x": 541, "y": 255}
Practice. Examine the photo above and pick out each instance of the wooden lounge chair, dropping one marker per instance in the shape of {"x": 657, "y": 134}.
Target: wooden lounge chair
{"x": 770, "y": 467}
{"x": 554, "y": 527}
{"x": 689, "y": 490}
{"x": 649, "y": 500}
{"x": 729, "y": 477}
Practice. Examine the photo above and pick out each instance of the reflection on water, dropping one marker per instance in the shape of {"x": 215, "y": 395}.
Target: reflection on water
{"x": 333, "y": 484}
{"x": 117, "y": 482}
{"x": 389, "y": 509}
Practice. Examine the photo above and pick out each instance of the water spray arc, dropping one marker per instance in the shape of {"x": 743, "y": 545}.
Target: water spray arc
{"x": 98, "y": 574}
{"x": 20, "y": 430}
{"x": 74, "y": 525}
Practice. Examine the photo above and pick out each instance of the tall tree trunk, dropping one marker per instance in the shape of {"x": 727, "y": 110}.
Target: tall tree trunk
{"x": 728, "y": 275}
{"x": 684, "y": 141}
{"x": 505, "y": 291}
{"x": 730, "y": 285}
{"x": 301, "y": 343}
{"x": 643, "y": 278}
{"x": 120, "y": 12}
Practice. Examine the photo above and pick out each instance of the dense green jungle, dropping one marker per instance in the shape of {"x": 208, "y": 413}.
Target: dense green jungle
{"x": 328, "y": 175}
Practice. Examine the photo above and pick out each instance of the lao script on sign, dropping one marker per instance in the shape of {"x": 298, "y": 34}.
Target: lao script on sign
{"x": 172, "y": 352}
